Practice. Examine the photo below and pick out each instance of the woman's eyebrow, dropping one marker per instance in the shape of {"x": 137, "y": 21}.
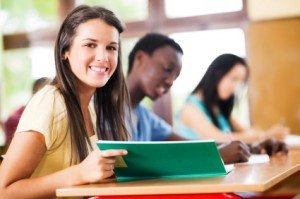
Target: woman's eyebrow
{"x": 95, "y": 40}
{"x": 90, "y": 39}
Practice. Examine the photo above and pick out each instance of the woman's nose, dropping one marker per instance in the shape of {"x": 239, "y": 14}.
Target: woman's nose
{"x": 101, "y": 55}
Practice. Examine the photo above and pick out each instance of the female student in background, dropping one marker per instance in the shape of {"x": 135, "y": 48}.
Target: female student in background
{"x": 206, "y": 113}
{"x": 53, "y": 143}
{"x": 10, "y": 125}
{"x": 154, "y": 63}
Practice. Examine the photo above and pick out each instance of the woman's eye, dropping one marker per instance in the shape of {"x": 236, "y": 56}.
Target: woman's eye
{"x": 90, "y": 45}
{"x": 112, "y": 48}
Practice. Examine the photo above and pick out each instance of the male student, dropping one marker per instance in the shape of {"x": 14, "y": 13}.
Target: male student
{"x": 154, "y": 63}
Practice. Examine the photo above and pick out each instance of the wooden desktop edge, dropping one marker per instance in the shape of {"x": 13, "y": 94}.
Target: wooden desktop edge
{"x": 167, "y": 186}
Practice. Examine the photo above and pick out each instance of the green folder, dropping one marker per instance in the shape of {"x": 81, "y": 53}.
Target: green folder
{"x": 177, "y": 159}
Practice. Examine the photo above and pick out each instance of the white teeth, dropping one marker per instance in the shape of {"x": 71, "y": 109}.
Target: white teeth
{"x": 96, "y": 69}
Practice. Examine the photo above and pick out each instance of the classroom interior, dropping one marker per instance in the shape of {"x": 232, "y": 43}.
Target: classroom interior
{"x": 265, "y": 32}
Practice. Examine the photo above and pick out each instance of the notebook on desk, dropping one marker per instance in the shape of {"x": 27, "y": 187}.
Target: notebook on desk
{"x": 182, "y": 159}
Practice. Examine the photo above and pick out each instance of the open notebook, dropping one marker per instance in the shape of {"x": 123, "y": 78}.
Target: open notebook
{"x": 182, "y": 159}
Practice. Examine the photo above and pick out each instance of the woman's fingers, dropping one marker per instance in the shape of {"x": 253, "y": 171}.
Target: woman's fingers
{"x": 109, "y": 167}
{"x": 113, "y": 152}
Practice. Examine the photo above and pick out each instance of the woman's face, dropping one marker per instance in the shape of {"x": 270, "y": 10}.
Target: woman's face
{"x": 93, "y": 54}
{"x": 230, "y": 82}
{"x": 159, "y": 71}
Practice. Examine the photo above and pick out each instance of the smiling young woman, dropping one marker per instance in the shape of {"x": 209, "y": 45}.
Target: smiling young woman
{"x": 55, "y": 142}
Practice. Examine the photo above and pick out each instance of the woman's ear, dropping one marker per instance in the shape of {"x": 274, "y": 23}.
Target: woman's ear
{"x": 65, "y": 56}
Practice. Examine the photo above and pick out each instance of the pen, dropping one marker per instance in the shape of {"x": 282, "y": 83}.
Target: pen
{"x": 229, "y": 135}
{"x": 282, "y": 121}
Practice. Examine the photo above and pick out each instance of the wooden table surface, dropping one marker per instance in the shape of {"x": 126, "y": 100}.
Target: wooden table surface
{"x": 244, "y": 178}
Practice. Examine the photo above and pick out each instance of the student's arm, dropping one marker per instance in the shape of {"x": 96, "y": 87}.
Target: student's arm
{"x": 23, "y": 156}
{"x": 175, "y": 137}
{"x": 233, "y": 152}
{"x": 235, "y": 125}
{"x": 276, "y": 131}
{"x": 194, "y": 118}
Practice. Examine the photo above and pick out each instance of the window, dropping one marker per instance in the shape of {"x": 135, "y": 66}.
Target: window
{"x": 42, "y": 61}
{"x": 127, "y": 45}
{"x": 126, "y": 10}
{"x": 16, "y": 79}
{"x": 28, "y": 16}
{"x": 18, "y": 74}
{"x": 187, "y": 8}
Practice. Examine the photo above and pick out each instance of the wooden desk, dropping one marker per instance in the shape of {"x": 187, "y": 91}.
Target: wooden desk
{"x": 245, "y": 178}
{"x": 290, "y": 185}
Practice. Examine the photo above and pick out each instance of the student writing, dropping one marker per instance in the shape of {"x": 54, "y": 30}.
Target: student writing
{"x": 154, "y": 63}
{"x": 207, "y": 112}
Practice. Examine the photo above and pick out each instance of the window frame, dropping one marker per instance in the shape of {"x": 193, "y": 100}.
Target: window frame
{"x": 156, "y": 22}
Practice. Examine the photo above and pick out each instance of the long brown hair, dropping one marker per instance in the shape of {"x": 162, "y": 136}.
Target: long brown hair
{"x": 110, "y": 100}
{"x": 219, "y": 67}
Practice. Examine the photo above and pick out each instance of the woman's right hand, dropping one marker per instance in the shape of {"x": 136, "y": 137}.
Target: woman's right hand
{"x": 234, "y": 152}
{"x": 98, "y": 165}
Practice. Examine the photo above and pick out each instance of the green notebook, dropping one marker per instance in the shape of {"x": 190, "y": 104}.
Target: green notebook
{"x": 179, "y": 159}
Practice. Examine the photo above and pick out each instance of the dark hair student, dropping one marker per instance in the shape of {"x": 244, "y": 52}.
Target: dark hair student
{"x": 207, "y": 112}
{"x": 154, "y": 64}
{"x": 55, "y": 142}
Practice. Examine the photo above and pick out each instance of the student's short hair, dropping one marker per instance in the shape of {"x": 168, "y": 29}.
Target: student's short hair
{"x": 149, "y": 43}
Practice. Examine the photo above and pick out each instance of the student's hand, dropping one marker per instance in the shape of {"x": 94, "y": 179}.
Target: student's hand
{"x": 278, "y": 131}
{"x": 234, "y": 152}
{"x": 270, "y": 146}
{"x": 98, "y": 165}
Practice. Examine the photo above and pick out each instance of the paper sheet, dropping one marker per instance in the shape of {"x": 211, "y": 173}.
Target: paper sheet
{"x": 229, "y": 167}
{"x": 293, "y": 141}
{"x": 256, "y": 159}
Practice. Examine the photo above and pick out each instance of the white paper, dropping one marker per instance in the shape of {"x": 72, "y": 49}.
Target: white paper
{"x": 256, "y": 159}
{"x": 229, "y": 167}
{"x": 292, "y": 140}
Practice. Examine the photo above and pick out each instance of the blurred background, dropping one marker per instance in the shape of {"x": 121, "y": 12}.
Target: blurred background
{"x": 265, "y": 32}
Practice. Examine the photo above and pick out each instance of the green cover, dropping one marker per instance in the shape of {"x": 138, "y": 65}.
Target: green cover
{"x": 179, "y": 159}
